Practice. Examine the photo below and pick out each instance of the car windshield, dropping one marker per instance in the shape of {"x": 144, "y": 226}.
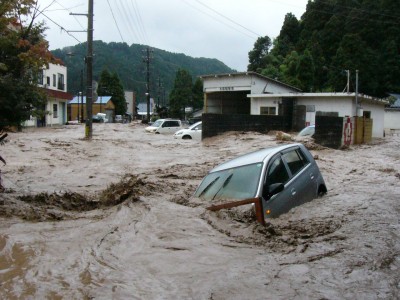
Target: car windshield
{"x": 236, "y": 183}
{"x": 157, "y": 123}
{"x": 195, "y": 125}
{"x": 310, "y": 130}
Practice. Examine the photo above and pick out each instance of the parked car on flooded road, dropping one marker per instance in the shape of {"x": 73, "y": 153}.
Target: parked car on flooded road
{"x": 308, "y": 131}
{"x": 282, "y": 177}
{"x": 193, "y": 132}
{"x": 164, "y": 126}
{"x": 99, "y": 118}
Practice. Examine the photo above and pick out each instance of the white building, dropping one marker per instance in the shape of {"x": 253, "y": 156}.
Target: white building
{"x": 253, "y": 94}
{"x": 344, "y": 104}
{"x": 227, "y": 93}
{"x": 130, "y": 100}
{"x": 54, "y": 82}
{"x": 392, "y": 117}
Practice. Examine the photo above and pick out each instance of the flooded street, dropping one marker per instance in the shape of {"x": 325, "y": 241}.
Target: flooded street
{"x": 114, "y": 219}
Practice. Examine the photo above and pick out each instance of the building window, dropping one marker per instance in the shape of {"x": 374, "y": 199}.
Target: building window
{"x": 60, "y": 83}
{"x": 310, "y": 108}
{"x": 367, "y": 114}
{"x": 54, "y": 80}
{"x": 271, "y": 110}
{"x": 40, "y": 77}
{"x": 55, "y": 111}
{"x": 48, "y": 80}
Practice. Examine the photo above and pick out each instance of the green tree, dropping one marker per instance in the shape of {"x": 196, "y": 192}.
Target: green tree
{"x": 391, "y": 57}
{"x": 198, "y": 94}
{"x": 288, "y": 36}
{"x": 181, "y": 94}
{"x": 320, "y": 64}
{"x": 365, "y": 62}
{"x": 110, "y": 85}
{"x": 24, "y": 53}
{"x": 305, "y": 71}
{"x": 258, "y": 54}
{"x": 332, "y": 36}
{"x": 289, "y": 68}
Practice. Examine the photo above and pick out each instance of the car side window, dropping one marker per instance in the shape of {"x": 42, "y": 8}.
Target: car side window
{"x": 295, "y": 160}
{"x": 174, "y": 124}
{"x": 277, "y": 172}
{"x": 166, "y": 124}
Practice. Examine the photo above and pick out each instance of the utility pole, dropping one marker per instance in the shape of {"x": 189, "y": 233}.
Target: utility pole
{"x": 89, "y": 71}
{"x": 356, "y": 93}
{"x": 159, "y": 92}
{"x": 89, "y": 74}
{"x": 81, "y": 112}
{"x": 348, "y": 81}
{"x": 164, "y": 99}
{"x": 146, "y": 59}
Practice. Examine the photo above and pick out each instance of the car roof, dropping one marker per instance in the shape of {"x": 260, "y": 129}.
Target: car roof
{"x": 253, "y": 157}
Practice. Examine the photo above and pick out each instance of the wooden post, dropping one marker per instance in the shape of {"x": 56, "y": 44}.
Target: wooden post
{"x": 256, "y": 201}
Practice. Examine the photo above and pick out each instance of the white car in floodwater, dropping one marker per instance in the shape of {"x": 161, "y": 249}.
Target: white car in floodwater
{"x": 193, "y": 132}
{"x": 164, "y": 126}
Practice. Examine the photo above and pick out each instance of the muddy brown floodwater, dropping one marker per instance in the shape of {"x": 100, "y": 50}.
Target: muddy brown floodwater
{"x": 113, "y": 218}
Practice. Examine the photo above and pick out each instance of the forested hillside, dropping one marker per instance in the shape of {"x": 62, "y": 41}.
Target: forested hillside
{"x": 333, "y": 36}
{"x": 127, "y": 62}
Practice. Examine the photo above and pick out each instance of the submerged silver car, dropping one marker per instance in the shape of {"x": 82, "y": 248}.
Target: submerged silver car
{"x": 280, "y": 178}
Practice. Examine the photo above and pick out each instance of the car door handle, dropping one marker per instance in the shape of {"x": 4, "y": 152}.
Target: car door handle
{"x": 293, "y": 191}
{"x": 312, "y": 176}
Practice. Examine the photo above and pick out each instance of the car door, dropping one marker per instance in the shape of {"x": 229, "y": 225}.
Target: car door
{"x": 170, "y": 126}
{"x": 303, "y": 176}
{"x": 196, "y": 132}
{"x": 175, "y": 126}
{"x": 165, "y": 127}
{"x": 277, "y": 173}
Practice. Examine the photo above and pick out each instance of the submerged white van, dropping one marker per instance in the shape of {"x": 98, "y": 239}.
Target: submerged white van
{"x": 165, "y": 126}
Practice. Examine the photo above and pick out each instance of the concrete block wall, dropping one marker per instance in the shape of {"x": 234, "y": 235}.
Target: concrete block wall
{"x": 329, "y": 131}
{"x": 214, "y": 124}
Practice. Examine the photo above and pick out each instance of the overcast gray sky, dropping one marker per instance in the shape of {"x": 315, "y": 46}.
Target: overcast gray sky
{"x": 221, "y": 29}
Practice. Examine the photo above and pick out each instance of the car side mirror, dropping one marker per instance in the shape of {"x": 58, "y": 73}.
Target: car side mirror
{"x": 273, "y": 189}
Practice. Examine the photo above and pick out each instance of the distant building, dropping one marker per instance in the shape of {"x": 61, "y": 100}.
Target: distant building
{"x": 130, "y": 100}
{"x": 392, "y": 116}
{"x": 103, "y": 104}
{"x": 142, "y": 108}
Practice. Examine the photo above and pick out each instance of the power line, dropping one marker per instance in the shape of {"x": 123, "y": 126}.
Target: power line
{"x": 128, "y": 23}
{"x": 229, "y": 19}
{"x": 140, "y": 21}
{"x": 69, "y": 10}
{"x": 215, "y": 19}
{"x": 62, "y": 28}
{"x": 115, "y": 21}
{"x": 41, "y": 12}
